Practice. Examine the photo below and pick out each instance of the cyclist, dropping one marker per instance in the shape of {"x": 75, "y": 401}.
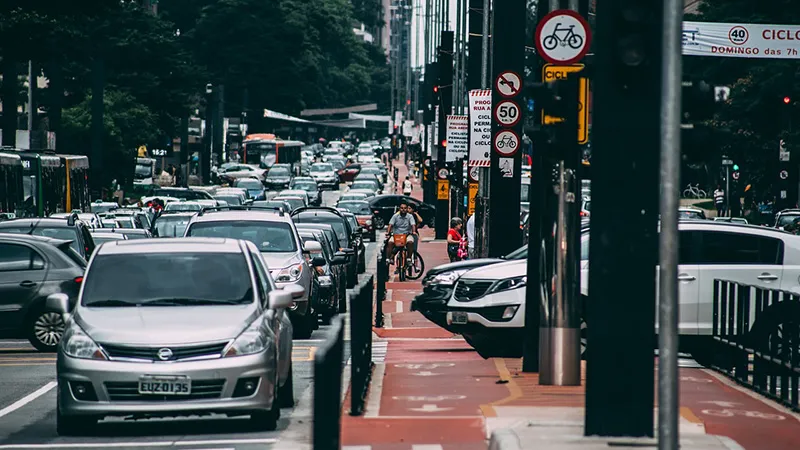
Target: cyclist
{"x": 401, "y": 224}
{"x": 418, "y": 220}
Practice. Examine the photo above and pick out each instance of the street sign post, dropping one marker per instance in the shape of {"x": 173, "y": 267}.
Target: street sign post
{"x": 507, "y": 113}
{"x": 443, "y": 190}
{"x": 506, "y": 142}
{"x": 563, "y": 37}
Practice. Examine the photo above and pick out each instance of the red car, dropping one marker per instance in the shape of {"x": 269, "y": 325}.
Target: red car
{"x": 363, "y": 214}
{"x": 349, "y": 172}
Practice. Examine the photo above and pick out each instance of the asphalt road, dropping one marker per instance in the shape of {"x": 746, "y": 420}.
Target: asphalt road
{"x": 28, "y": 401}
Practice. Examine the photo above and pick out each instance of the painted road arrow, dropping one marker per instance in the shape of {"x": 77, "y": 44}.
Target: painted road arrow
{"x": 429, "y": 408}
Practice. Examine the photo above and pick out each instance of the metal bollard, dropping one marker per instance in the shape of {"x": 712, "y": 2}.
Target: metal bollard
{"x": 380, "y": 294}
{"x": 328, "y": 390}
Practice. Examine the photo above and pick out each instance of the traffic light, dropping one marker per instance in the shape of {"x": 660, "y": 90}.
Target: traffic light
{"x": 735, "y": 167}
{"x": 699, "y": 102}
{"x": 787, "y": 100}
{"x": 633, "y": 24}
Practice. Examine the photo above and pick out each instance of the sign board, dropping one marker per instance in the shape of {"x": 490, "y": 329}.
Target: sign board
{"x": 508, "y": 84}
{"x": 583, "y": 110}
{"x": 507, "y": 113}
{"x": 554, "y": 72}
{"x": 443, "y": 173}
{"x": 480, "y": 127}
{"x": 741, "y": 40}
{"x": 784, "y": 174}
{"x": 160, "y": 152}
{"x": 408, "y": 128}
{"x": 457, "y": 138}
{"x": 443, "y": 190}
{"x": 783, "y": 154}
{"x": 727, "y": 162}
{"x": 506, "y": 142}
{"x": 473, "y": 174}
{"x": 735, "y": 175}
{"x": 472, "y": 192}
{"x": 562, "y": 37}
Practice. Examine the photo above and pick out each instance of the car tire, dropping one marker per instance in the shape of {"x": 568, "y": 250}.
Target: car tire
{"x": 74, "y": 425}
{"x": 45, "y": 328}
{"x": 306, "y": 325}
{"x": 267, "y": 420}
{"x": 286, "y": 392}
{"x": 379, "y": 223}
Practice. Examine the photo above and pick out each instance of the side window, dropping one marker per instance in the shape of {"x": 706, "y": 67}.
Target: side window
{"x": 739, "y": 248}
{"x": 263, "y": 277}
{"x": 19, "y": 257}
{"x": 687, "y": 248}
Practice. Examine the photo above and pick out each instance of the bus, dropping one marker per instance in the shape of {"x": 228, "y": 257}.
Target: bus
{"x": 267, "y": 149}
{"x": 76, "y": 188}
{"x": 11, "y": 191}
{"x": 145, "y": 171}
{"x": 41, "y": 183}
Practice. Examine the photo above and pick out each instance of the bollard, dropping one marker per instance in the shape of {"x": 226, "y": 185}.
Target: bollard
{"x": 380, "y": 294}
{"x": 327, "y": 411}
{"x": 360, "y": 344}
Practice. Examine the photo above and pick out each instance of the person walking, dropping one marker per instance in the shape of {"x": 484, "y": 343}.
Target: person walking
{"x": 719, "y": 201}
{"x": 454, "y": 238}
{"x": 471, "y": 237}
{"x": 407, "y": 186}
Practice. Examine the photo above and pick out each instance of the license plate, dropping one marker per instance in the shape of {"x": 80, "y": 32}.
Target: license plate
{"x": 165, "y": 385}
{"x": 459, "y": 318}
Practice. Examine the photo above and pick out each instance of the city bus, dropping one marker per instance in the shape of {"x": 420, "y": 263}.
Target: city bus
{"x": 11, "y": 191}
{"x": 76, "y": 189}
{"x": 42, "y": 183}
{"x": 145, "y": 171}
{"x": 267, "y": 149}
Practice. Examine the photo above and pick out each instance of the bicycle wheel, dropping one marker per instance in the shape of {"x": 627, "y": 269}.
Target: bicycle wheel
{"x": 550, "y": 42}
{"x": 686, "y": 193}
{"x": 512, "y": 144}
{"x": 701, "y": 194}
{"x": 416, "y": 268}
{"x": 401, "y": 265}
{"x": 501, "y": 144}
{"x": 575, "y": 41}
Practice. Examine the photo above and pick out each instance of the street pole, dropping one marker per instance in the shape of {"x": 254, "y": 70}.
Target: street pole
{"x": 728, "y": 190}
{"x": 97, "y": 128}
{"x": 445, "y": 105}
{"x": 183, "y": 166}
{"x": 668, "y": 395}
{"x": 483, "y": 172}
{"x": 31, "y": 106}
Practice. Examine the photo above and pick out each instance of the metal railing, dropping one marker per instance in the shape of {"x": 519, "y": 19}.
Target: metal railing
{"x": 328, "y": 363}
{"x": 756, "y": 334}
{"x": 361, "y": 297}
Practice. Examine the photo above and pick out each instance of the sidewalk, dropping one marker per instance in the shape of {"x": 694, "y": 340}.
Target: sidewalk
{"x": 431, "y": 391}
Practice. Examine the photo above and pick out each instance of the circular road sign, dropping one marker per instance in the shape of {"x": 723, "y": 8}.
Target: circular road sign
{"x": 443, "y": 173}
{"x": 735, "y": 175}
{"x": 784, "y": 174}
{"x": 506, "y": 142}
{"x": 507, "y": 113}
{"x": 563, "y": 37}
{"x": 508, "y": 84}
{"x": 473, "y": 173}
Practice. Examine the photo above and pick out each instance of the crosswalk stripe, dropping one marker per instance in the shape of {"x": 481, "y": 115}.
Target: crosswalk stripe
{"x": 379, "y": 349}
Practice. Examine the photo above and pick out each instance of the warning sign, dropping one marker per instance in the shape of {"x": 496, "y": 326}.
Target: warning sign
{"x": 443, "y": 190}
{"x": 473, "y": 192}
{"x": 480, "y": 127}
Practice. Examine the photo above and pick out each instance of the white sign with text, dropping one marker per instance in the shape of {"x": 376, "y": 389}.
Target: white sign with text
{"x": 480, "y": 127}
{"x": 457, "y": 138}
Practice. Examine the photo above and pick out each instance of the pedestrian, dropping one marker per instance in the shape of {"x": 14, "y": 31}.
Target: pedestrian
{"x": 454, "y": 238}
{"x": 471, "y": 237}
{"x": 719, "y": 201}
{"x": 407, "y": 186}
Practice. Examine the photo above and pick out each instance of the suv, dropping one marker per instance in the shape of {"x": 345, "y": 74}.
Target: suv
{"x": 325, "y": 175}
{"x": 182, "y": 193}
{"x": 329, "y": 279}
{"x": 341, "y": 226}
{"x": 210, "y": 335}
{"x": 31, "y": 268}
{"x": 276, "y": 237}
{"x": 786, "y": 217}
{"x": 70, "y": 229}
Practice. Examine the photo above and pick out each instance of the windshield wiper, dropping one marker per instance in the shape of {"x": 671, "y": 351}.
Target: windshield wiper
{"x": 110, "y": 303}
{"x": 189, "y": 302}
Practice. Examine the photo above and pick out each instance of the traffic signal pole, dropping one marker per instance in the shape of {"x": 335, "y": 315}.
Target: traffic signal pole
{"x": 445, "y": 66}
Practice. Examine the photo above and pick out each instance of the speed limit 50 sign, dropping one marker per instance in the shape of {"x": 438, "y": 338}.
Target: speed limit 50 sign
{"x": 507, "y": 113}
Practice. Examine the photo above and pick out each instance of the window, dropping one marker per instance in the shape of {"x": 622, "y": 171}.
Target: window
{"x": 739, "y": 248}
{"x": 19, "y": 257}
{"x": 271, "y": 237}
{"x": 339, "y": 224}
{"x": 263, "y": 277}
{"x": 172, "y": 226}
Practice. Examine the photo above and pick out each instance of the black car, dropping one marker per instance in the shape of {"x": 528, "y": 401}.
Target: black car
{"x": 182, "y": 193}
{"x": 32, "y": 268}
{"x": 278, "y": 178}
{"x": 384, "y": 207}
{"x": 327, "y": 281}
{"x": 70, "y": 229}
{"x": 358, "y": 238}
{"x": 334, "y": 246}
{"x": 341, "y": 226}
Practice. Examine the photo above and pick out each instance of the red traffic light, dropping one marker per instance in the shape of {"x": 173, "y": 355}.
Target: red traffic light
{"x": 444, "y": 142}
{"x": 787, "y": 99}
{"x": 435, "y": 89}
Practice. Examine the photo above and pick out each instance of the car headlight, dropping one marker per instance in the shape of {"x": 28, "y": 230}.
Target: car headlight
{"x": 447, "y": 278}
{"x": 78, "y": 344}
{"x": 325, "y": 280}
{"x": 288, "y": 274}
{"x": 369, "y": 222}
{"x": 508, "y": 284}
{"x": 252, "y": 340}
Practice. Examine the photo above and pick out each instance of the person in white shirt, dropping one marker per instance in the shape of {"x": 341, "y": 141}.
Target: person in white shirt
{"x": 407, "y": 186}
{"x": 719, "y": 201}
{"x": 471, "y": 236}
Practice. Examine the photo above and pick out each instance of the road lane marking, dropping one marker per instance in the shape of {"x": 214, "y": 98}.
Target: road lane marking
{"x": 514, "y": 391}
{"x": 375, "y": 392}
{"x": 755, "y": 396}
{"x": 357, "y": 447}
{"x": 426, "y": 447}
{"x": 141, "y": 444}
{"x": 28, "y": 398}
{"x": 28, "y": 364}
{"x": 398, "y": 306}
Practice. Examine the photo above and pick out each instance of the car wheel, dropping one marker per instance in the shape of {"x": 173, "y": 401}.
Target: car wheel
{"x": 286, "y": 392}
{"x": 267, "y": 420}
{"x": 74, "y": 425}
{"x": 45, "y": 330}
{"x": 379, "y": 223}
{"x": 305, "y": 325}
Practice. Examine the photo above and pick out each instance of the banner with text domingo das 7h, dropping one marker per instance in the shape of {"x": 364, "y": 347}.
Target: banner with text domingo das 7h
{"x": 741, "y": 40}
{"x": 480, "y": 127}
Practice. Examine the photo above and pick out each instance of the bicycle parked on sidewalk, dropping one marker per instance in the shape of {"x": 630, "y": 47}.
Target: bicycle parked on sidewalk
{"x": 694, "y": 191}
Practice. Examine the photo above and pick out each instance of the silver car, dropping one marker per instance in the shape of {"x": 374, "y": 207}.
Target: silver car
{"x": 202, "y": 329}
{"x": 275, "y": 236}
{"x": 325, "y": 175}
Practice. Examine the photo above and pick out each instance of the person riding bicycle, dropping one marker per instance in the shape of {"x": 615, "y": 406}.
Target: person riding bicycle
{"x": 401, "y": 224}
{"x": 418, "y": 219}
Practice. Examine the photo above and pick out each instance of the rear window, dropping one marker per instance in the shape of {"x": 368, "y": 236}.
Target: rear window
{"x": 170, "y": 279}
{"x": 182, "y": 207}
{"x": 363, "y": 185}
{"x": 786, "y": 219}
{"x": 278, "y": 172}
{"x": 321, "y": 168}
{"x": 338, "y": 223}
{"x": 270, "y": 237}
{"x": 358, "y": 208}
{"x": 230, "y": 199}
{"x": 249, "y": 184}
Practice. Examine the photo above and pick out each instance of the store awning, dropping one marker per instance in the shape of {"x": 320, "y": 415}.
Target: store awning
{"x": 370, "y": 117}
{"x": 270, "y": 114}
{"x": 343, "y": 123}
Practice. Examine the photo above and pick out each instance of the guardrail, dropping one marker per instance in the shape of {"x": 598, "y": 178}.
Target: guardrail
{"x": 328, "y": 361}
{"x": 756, "y": 334}
{"x": 360, "y": 342}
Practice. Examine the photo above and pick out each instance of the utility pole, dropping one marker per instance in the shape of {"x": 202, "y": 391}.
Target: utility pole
{"x": 9, "y": 97}
{"x": 445, "y": 105}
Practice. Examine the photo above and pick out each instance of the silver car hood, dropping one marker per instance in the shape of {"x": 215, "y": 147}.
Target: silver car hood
{"x": 281, "y": 260}
{"x": 165, "y": 325}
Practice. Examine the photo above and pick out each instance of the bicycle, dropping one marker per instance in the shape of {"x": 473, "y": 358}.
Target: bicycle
{"x": 416, "y": 267}
{"x": 400, "y": 255}
{"x": 573, "y": 40}
{"x": 694, "y": 192}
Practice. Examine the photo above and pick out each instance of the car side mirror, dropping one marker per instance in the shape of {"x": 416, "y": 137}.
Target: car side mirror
{"x": 280, "y": 299}
{"x": 295, "y": 290}
{"x": 339, "y": 259}
{"x": 249, "y": 201}
{"x": 348, "y": 251}
{"x": 312, "y": 247}
{"x": 60, "y": 303}
{"x": 318, "y": 261}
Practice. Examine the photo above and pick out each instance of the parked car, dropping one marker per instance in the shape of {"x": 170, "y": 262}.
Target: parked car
{"x": 384, "y": 207}
{"x": 275, "y": 236}
{"x": 71, "y": 229}
{"x": 32, "y": 268}
{"x": 227, "y": 347}
{"x": 255, "y": 188}
{"x": 101, "y": 236}
{"x": 690, "y": 212}
{"x": 327, "y": 280}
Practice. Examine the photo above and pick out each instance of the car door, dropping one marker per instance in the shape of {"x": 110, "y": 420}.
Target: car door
{"x": 282, "y": 326}
{"x": 22, "y": 274}
{"x": 743, "y": 257}
{"x": 385, "y": 207}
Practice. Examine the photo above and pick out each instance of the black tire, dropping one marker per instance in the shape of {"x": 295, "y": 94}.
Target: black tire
{"x": 401, "y": 274}
{"x": 74, "y": 425}
{"x": 286, "y": 392}
{"x": 45, "y": 328}
{"x": 267, "y": 420}
{"x": 305, "y": 325}
{"x": 379, "y": 223}
{"x": 415, "y": 275}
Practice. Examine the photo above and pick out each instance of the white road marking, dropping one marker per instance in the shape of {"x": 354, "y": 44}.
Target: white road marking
{"x": 142, "y": 444}
{"x": 375, "y": 391}
{"x": 398, "y": 306}
{"x": 357, "y": 447}
{"x": 426, "y": 447}
{"x": 27, "y": 399}
{"x": 379, "y": 349}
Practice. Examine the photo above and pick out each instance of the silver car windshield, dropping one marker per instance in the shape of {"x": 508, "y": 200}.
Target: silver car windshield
{"x": 168, "y": 279}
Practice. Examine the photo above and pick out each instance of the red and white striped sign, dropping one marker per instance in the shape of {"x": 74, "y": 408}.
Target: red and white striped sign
{"x": 480, "y": 127}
